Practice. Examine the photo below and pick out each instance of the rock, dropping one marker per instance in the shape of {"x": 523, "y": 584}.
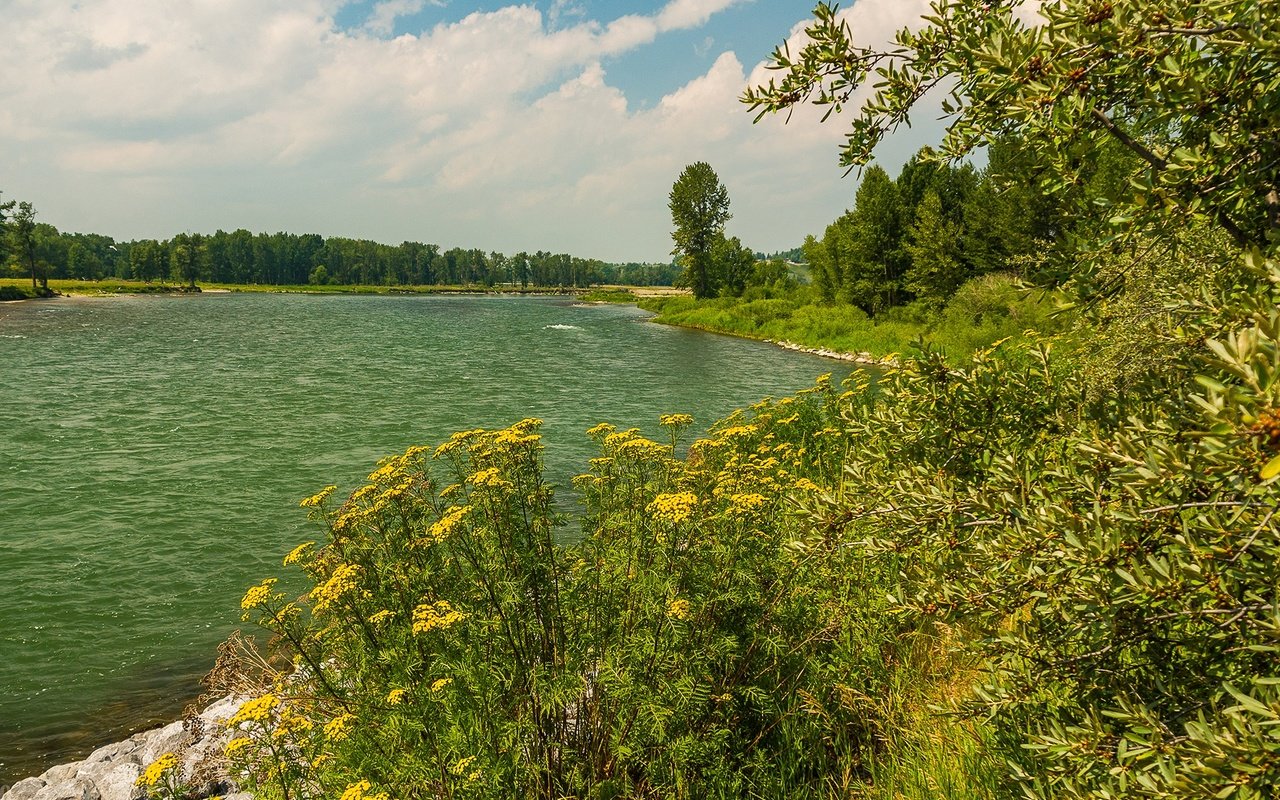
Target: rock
{"x": 169, "y": 739}
{"x": 113, "y": 753}
{"x": 119, "y": 781}
{"x": 74, "y": 789}
{"x": 223, "y": 709}
{"x": 60, "y": 773}
{"x": 24, "y": 789}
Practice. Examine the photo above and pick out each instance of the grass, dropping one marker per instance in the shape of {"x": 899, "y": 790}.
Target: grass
{"x": 126, "y": 286}
{"x": 982, "y": 312}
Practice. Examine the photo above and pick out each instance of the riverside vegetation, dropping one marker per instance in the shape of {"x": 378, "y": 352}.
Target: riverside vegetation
{"x": 1048, "y": 571}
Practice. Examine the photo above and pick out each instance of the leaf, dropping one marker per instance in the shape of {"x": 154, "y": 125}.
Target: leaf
{"x": 1271, "y": 469}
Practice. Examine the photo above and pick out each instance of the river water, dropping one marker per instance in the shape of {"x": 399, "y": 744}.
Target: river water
{"x": 153, "y": 451}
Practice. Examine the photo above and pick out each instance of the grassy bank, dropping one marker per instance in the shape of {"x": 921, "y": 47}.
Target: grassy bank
{"x": 109, "y": 286}
{"x": 983, "y": 311}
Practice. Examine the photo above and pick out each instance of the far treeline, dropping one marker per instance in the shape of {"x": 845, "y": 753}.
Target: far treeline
{"x": 40, "y": 251}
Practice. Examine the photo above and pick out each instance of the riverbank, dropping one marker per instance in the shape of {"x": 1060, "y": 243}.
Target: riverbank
{"x": 112, "y": 771}
{"x": 114, "y": 286}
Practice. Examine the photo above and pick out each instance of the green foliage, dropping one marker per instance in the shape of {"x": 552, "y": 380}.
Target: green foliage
{"x": 690, "y": 644}
{"x": 11, "y": 292}
{"x": 699, "y": 206}
{"x": 1191, "y": 89}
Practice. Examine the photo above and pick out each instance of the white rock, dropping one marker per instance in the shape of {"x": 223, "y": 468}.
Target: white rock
{"x": 116, "y": 752}
{"x": 74, "y": 789}
{"x": 169, "y": 739}
{"x": 60, "y": 773}
{"x": 119, "y": 782}
{"x": 24, "y": 789}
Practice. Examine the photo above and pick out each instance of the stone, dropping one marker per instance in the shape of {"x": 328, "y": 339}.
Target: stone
{"x": 222, "y": 710}
{"x": 60, "y": 773}
{"x": 74, "y": 789}
{"x": 24, "y": 789}
{"x": 118, "y": 751}
{"x": 169, "y": 739}
{"x": 119, "y": 781}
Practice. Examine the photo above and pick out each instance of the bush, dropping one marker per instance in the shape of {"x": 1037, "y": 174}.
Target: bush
{"x": 11, "y": 292}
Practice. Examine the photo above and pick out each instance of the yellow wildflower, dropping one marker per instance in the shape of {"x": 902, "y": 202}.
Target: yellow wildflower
{"x": 158, "y": 769}
{"x": 317, "y": 499}
{"x": 491, "y": 477}
{"x": 297, "y": 553}
{"x": 429, "y": 617}
{"x": 440, "y": 683}
{"x": 257, "y": 595}
{"x": 356, "y": 791}
{"x": 461, "y": 765}
{"x": 236, "y": 745}
{"x": 396, "y": 696}
{"x": 675, "y": 420}
{"x": 340, "y": 583}
{"x": 379, "y": 617}
{"x": 616, "y": 439}
{"x": 806, "y": 485}
{"x": 737, "y": 431}
{"x": 678, "y": 609}
{"x": 641, "y": 448}
{"x": 339, "y": 728}
{"x": 673, "y": 508}
{"x": 442, "y": 527}
{"x": 256, "y": 710}
{"x": 602, "y": 429}
{"x": 746, "y": 504}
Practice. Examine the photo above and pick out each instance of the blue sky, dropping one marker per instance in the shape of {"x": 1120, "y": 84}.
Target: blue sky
{"x": 542, "y": 125}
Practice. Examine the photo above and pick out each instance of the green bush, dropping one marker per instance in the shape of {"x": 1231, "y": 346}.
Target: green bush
{"x": 11, "y": 292}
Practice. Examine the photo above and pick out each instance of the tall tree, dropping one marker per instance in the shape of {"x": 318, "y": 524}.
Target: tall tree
{"x": 699, "y": 210}
{"x": 871, "y": 244}
{"x": 933, "y": 247}
{"x": 22, "y": 232}
{"x": 733, "y": 264}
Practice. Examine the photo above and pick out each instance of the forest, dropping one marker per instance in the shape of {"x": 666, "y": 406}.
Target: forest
{"x": 39, "y": 250}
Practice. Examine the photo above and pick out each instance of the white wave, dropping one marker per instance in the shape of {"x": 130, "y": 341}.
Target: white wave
{"x": 561, "y": 327}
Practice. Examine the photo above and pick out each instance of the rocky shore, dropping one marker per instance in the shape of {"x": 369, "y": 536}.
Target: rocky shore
{"x": 857, "y": 358}
{"x": 111, "y": 772}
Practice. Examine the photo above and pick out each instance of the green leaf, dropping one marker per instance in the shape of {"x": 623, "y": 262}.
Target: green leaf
{"x": 1271, "y": 469}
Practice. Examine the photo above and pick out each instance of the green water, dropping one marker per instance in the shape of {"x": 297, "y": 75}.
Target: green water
{"x": 153, "y": 450}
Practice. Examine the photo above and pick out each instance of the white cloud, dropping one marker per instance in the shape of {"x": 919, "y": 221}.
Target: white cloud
{"x": 501, "y": 130}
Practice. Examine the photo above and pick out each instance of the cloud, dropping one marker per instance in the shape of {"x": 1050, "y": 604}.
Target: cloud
{"x": 382, "y": 21}
{"x": 499, "y": 130}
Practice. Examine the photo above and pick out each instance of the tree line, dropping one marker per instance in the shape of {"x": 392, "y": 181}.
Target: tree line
{"x": 28, "y": 247}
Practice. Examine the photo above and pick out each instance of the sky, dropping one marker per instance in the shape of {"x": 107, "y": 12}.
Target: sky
{"x": 538, "y": 125}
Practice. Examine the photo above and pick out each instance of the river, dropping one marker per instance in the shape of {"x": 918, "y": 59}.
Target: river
{"x": 153, "y": 451}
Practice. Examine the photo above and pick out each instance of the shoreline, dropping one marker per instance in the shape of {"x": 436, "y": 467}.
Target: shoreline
{"x": 111, "y": 771}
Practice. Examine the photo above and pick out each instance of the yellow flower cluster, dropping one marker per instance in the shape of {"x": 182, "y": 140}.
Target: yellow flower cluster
{"x": 441, "y": 528}
{"x": 673, "y": 508}
{"x": 236, "y": 745}
{"x": 396, "y": 696}
{"x": 675, "y": 420}
{"x": 460, "y": 766}
{"x": 359, "y": 791}
{"x": 603, "y": 429}
{"x": 806, "y": 485}
{"x": 339, "y": 728}
{"x": 379, "y": 617}
{"x": 440, "y": 683}
{"x": 259, "y": 709}
{"x": 433, "y": 616}
{"x": 614, "y": 440}
{"x": 340, "y": 583}
{"x": 489, "y": 478}
{"x": 678, "y": 609}
{"x": 746, "y": 504}
{"x": 298, "y": 553}
{"x": 156, "y": 772}
{"x": 738, "y": 431}
{"x": 317, "y": 499}
{"x": 641, "y": 448}
{"x": 257, "y": 595}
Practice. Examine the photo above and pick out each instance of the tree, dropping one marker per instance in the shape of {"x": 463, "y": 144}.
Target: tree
{"x": 733, "y": 265}
{"x": 187, "y": 257}
{"x": 1190, "y": 88}
{"x": 699, "y": 210}
{"x": 22, "y": 232}
{"x": 871, "y": 243}
{"x": 933, "y": 246}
